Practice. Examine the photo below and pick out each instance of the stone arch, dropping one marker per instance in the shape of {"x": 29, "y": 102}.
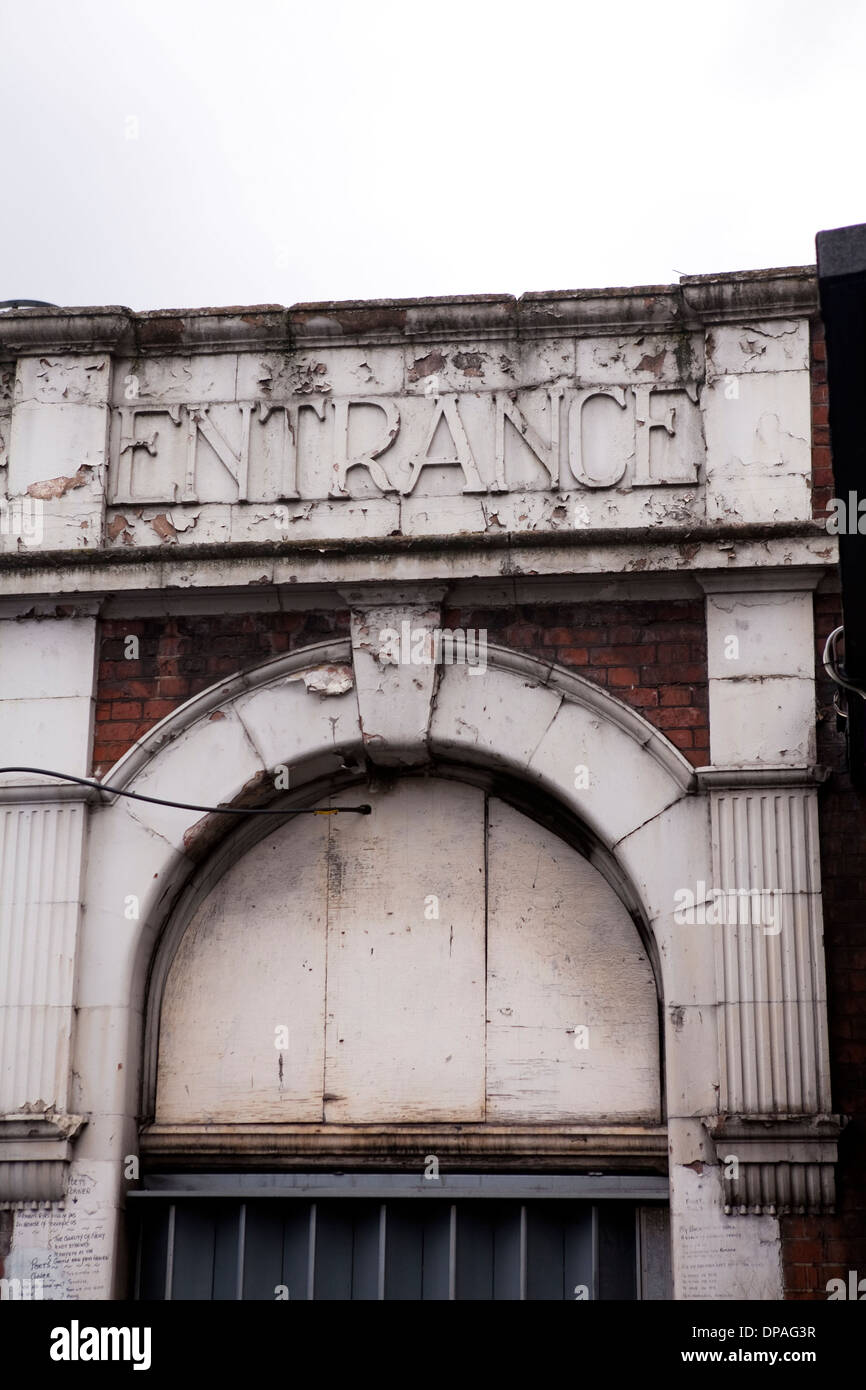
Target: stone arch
{"x": 329, "y": 712}
{"x": 311, "y": 712}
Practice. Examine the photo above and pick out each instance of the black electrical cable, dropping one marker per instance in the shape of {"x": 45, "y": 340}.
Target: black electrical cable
{"x": 188, "y": 806}
{"x": 27, "y": 304}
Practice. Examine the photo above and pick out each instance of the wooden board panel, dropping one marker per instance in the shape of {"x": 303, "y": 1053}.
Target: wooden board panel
{"x": 365, "y": 938}
{"x": 251, "y": 960}
{"x": 563, "y": 953}
{"x": 405, "y": 1026}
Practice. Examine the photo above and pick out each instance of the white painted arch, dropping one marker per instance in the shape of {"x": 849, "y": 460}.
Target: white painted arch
{"x": 526, "y": 720}
{"x": 532, "y": 721}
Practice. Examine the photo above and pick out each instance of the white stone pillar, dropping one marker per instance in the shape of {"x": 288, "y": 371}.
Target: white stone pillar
{"x": 40, "y": 871}
{"x": 46, "y": 691}
{"x": 47, "y": 665}
{"x": 769, "y": 1147}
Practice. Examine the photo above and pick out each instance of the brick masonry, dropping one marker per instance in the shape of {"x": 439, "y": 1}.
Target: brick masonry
{"x": 652, "y": 655}
{"x": 178, "y": 657}
{"x": 822, "y": 468}
{"x": 818, "y": 1248}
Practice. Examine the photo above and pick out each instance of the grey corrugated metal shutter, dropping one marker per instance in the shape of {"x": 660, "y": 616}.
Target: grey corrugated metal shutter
{"x": 347, "y": 1248}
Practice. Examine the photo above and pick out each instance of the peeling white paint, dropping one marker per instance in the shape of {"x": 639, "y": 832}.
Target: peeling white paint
{"x": 329, "y": 680}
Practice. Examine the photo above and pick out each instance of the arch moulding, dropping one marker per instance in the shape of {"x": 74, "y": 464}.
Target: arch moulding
{"x": 330, "y": 715}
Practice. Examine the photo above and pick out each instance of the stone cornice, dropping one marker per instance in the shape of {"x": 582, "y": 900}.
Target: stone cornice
{"x": 526, "y": 558}
{"x": 34, "y": 791}
{"x": 35, "y": 1149}
{"x": 696, "y": 302}
{"x": 576, "y": 542}
{"x": 791, "y": 578}
{"x": 764, "y": 775}
{"x": 573, "y": 1148}
{"x": 782, "y": 1164}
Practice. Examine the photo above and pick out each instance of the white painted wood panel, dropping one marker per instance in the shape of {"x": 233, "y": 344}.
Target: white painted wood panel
{"x": 563, "y": 953}
{"x": 405, "y": 1029}
{"x": 365, "y": 938}
{"x": 251, "y": 960}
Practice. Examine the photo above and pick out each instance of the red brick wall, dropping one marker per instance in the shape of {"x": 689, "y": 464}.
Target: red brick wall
{"x": 650, "y": 654}
{"x": 178, "y": 657}
{"x": 822, "y": 469}
{"x": 814, "y": 1248}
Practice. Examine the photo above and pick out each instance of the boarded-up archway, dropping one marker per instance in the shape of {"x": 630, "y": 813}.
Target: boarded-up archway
{"x": 446, "y": 959}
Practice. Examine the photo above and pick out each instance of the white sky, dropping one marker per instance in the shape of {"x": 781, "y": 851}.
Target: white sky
{"x": 287, "y": 151}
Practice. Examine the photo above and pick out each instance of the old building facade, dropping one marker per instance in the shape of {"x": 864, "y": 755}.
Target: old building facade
{"x": 536, "y": 582}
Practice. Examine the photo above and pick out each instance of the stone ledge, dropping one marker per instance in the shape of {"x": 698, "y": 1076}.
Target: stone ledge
{"x": 35, "y": 1150}
{"x": 696, "y": 301}
{"x": 785, "y": 1163}
{"x": 768, "y": 775}
{"x": 478, "y": 1147}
